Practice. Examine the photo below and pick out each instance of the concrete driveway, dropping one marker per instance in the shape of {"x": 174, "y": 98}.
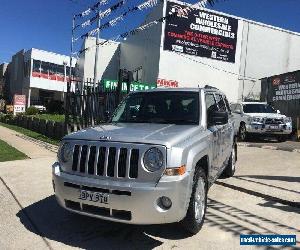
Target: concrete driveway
{"x": 263, "y": 197}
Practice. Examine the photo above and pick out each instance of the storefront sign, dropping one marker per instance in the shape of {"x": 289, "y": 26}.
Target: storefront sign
{"x": 200, "y": 33}
{"x": 167, "y": 83}
{"x": 134, "y": 86}
{"x": 285, "y": 87}
{"x": 19, "y": 104}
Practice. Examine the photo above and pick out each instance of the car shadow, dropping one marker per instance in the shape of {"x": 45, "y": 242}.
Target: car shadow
{"x": 47, "y": 219}
{"x": 274, "y": 177}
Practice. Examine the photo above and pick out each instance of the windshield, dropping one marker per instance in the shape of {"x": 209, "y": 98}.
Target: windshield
{"x": 169, "y": 107}
{"x": 258, "y": 108}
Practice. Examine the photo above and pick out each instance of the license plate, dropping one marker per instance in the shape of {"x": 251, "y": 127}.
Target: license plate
{"x": 274, "y": 127}
{"x": 94, "y": 196}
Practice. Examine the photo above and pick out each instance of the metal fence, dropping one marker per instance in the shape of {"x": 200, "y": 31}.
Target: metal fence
{"x": 87, "y": 104}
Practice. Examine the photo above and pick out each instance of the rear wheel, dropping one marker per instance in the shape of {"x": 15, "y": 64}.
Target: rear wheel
{"x": 230, "y": 168}
{"x": 194, "y": 218}
{"x": 242, "y": 132}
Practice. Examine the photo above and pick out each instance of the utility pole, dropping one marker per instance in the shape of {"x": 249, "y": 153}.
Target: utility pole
{"x": 95, "y": 66}
{"x": 68, "y": 95}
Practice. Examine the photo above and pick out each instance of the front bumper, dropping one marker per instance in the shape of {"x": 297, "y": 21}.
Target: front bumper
{"x": 278, "y": 129}
{"x": 129, "y": 202}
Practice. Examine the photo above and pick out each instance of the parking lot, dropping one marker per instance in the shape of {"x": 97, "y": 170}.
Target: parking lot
{"x": 263, "y": 197}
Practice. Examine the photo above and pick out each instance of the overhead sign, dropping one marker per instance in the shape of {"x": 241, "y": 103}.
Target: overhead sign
{"x": 200, "y": 33}
{"x": 134, "y": 86}
{"x": 285, "y": 87}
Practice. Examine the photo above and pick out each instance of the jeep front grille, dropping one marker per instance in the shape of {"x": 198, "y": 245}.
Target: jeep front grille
{"x": 106, "y": 161}
{"x": 274, "y": 121}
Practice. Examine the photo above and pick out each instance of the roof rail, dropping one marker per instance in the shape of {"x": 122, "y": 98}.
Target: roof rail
{"x": 210, "y": 87}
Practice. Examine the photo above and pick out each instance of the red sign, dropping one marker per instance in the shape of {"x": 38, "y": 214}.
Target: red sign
{"x": 19, "y": 100}
{"x": 167, "y": 83}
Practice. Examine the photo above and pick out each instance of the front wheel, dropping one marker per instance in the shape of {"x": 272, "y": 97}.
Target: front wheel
{"x": 242, "y": 132}
{"x": 194, "y": 218}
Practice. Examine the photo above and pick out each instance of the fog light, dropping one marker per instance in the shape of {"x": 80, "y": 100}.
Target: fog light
{"x": 164, "y": 202}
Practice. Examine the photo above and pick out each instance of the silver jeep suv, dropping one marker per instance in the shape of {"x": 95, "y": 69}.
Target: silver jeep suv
{"x": 153, "y": 162}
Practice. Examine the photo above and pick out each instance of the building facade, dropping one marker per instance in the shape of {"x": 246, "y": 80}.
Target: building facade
{"x": 198, "y": 47}
{"x": 40, "y": 75}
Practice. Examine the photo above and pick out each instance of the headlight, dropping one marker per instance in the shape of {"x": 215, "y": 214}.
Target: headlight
{"x": 257, "y": 119}
{"x": 153, "y": 159}
{"x": 65, "y": 152}
{"x": 287, "y": 120}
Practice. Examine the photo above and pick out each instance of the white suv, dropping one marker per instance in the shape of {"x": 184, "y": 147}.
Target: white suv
{"x": 261, "y": 119}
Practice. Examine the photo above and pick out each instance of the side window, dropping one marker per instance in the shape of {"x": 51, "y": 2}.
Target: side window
{"x": 227, "y": 104}
{"x": 221, "y": 103}
{"x": 211, "y": 106}
{"x": 233, "y": 106}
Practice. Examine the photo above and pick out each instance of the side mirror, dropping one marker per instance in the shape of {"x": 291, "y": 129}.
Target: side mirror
{"x": 218, "y": 118}
{"x": 238, "y": 111}
{"x": 107, "y": 116}
{"x": 278, "y": 111}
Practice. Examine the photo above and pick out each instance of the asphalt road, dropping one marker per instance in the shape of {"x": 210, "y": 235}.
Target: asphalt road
{"x": 262, "y": 198}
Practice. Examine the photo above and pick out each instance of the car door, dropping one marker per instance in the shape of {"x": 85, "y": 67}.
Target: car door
{"x": 215, "y": 136}
{"x": 225, "y": 130}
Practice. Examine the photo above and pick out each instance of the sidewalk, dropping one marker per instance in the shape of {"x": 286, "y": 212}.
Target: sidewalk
{"x": 32, "y": 148}
{"x": 22, "y": 183}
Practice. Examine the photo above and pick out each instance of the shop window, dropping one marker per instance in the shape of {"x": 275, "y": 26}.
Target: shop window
{"x": 36, "y": 68}
{"x": 138, "y": 74}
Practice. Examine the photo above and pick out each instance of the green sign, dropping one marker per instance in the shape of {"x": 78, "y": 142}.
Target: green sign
{"x": 134, "y": 86}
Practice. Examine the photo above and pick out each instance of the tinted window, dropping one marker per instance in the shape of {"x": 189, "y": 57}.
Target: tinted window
{"x": 227, "y": 104}
{"x": 159, "y": 107}
{"x": 221, "y": 103}
{"x": 44, "y": 67}
{"x": 211, "y": 106}
{"x": 36, "y": 66}
{"x": 258, "y": 108}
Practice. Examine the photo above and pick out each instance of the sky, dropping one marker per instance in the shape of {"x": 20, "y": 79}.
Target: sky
{"x": 47, "y": 24}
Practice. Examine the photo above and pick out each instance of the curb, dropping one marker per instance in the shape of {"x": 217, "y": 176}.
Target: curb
{"x": 241, "y": 144}
{"x": 48, "y": 146}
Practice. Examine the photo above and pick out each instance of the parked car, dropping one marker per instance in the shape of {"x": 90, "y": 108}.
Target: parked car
{"x": 259, "y": 118}
{"x": 154, "y": 161}
{"x": 41, "y": 108}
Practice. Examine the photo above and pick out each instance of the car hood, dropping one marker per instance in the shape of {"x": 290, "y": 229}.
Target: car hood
{"x": 160, "y": 134}
{"x": 266, "y": 115}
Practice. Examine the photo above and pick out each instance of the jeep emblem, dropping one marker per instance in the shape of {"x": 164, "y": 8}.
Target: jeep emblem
{"x": 106, "y": 138}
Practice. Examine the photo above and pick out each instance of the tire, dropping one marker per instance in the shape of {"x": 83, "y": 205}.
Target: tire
{"x": 195, "y": 215}
{"x": 281, "y": 138}
{"x": 242, "y": 132}
{"x": 230, "y": 168}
